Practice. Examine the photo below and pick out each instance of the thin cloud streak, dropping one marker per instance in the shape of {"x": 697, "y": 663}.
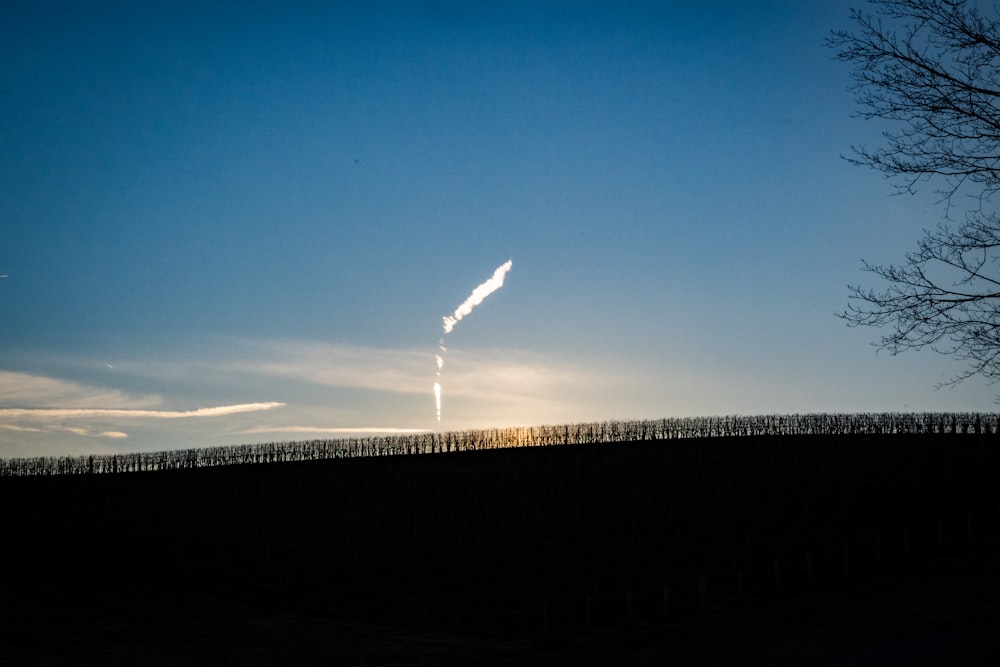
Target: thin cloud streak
{"x": 326, "y": 390}
{"x": 114, "y": 435}
{"x": 20, "y": 429}
{"x": 45, "y": 404}
{"x": 375, "y": 430}
{"x": 71, "y": 413}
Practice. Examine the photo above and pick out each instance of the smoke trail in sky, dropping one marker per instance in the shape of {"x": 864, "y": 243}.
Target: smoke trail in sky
{"x": 477, "y": 296}
{"x": 439, "y": 358}
{"x": 494, "y": 283}
{"x": 437, "y": 397}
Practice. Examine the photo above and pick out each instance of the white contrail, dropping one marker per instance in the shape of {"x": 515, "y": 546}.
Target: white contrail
{"x": 477, "y": 296}
{"x": 494, "y": 283}
{"x": 439, "y": 358}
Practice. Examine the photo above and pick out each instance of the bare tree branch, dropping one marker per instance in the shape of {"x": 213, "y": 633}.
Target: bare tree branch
{"x": 932, "y": 69}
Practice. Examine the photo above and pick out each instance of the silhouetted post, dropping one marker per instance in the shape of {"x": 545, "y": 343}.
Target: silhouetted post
{"x": 809, "y": 567}
{"x": 739, "y": 581}
{"x": 628, "y": 607}
{"x": 588, "y": 613}
{"x": 666, "y": 599}
{"x": 777, "y": 574}
{"x": 906, "y": 541}
{"x": 701, "y": 590}
{"x": 847, "y": 560}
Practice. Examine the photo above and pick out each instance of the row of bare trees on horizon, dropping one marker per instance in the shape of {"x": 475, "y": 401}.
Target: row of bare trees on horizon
{"x": 499, "y": 438}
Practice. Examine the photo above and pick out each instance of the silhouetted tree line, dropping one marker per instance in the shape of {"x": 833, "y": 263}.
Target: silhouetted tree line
{"x": 498, "y": 438}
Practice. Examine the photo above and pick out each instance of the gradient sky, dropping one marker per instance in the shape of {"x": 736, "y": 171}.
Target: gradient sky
{"x": 242, "y": 222}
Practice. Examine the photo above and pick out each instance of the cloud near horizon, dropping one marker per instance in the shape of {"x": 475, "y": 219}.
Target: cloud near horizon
{"x": 328, "y": 388}
{"x": 397, "y": 370}
{"x": 492, "y": 381}
{"x": 40, "y": 391}
{"x": 55, "y": 401}
{"x": 488, "y": 373}
{"x": 40, "y": 420}
{"x": 481, "y": 386}
{"x": 115, "y": 435}
{"x": 373, "y": 430}
{"x": 72, "y": 413}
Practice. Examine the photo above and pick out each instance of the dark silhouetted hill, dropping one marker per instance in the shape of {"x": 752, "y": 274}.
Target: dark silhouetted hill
{"x": 655, "y": 545}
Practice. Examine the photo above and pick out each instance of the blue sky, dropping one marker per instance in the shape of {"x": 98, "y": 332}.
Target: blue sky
{"x": 241, "y": 222}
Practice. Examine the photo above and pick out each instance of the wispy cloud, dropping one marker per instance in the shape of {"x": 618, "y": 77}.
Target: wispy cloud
{"x": 48, "y": 405}
{"x": 23, "y": 429}
{"x": 398, "y": 370}
{"x": 71, "y": 413}
{"x": 486, "y": 373}
{"x": 484, "y": 386}
{"x": 374, "y": 430}
{"x": 324, "y": 389}
{"x": 63, "y": 428}
{"x": 90, "y": 433}
{"x": 54, "y": 420}
{"x": 23, "y": 389}
{"x": 340, "y": 386}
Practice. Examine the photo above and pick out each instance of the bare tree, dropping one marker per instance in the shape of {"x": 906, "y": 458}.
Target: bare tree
{"x": 932, "y": 68}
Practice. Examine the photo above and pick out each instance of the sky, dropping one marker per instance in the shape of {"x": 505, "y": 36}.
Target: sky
{"x": 225, "y": 222}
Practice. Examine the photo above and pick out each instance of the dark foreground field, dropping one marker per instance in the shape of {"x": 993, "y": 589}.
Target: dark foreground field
{"x": 780, "y": 549}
